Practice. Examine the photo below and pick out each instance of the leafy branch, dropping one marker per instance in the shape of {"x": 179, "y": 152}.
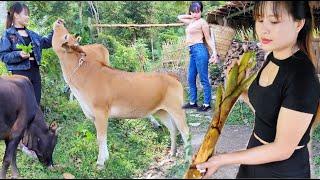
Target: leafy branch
{"x": 24, "y": 48}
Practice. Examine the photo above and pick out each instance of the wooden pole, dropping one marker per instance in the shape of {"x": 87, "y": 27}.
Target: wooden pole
{"x": 240, "y": 12}
{"x": 80, "y": 12}
{"x": 152, "y": 51}
{"x": 138, "y": 25}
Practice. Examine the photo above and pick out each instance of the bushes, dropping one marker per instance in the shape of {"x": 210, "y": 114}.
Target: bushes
{"x": 133, "y": 58}
{"x": 3, "y": 69}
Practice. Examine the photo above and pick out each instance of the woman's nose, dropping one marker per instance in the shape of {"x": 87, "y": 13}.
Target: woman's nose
{"x": 265, "y": 28}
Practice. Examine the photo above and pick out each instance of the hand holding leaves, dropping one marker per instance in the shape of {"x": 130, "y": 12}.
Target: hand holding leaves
{"x": 25, "y": 49}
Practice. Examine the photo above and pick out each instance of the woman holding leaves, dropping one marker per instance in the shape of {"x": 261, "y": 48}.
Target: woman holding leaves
{"x": 20, "y": 48}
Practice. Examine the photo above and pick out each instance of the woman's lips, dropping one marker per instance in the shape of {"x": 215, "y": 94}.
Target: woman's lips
{"x": 265, "y": 41}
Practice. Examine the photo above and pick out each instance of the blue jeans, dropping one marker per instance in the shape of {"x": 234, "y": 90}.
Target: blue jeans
{"x": 199, "y": 60}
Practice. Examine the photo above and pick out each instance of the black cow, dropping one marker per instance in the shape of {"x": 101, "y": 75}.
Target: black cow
{"x": 21, "y": 117}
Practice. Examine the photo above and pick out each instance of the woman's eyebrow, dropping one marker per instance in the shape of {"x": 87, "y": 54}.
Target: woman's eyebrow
{"x": 274, "y": 16}
{"x": 271, "y": 15}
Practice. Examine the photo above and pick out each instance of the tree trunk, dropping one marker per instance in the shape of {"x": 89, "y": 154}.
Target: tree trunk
{"x": 80, "y": 12}
{"x": 3, "y": 15}
{"x": 134, "y": 37}
{"x": 152, "y": 50}
{"x": 95, "y": 14}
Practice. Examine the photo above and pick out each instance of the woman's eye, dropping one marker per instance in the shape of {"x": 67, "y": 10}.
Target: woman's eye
{"x": 274, "y": 22}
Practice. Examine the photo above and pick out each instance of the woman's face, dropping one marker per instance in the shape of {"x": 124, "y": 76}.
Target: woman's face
{"x": 276, "y": 34}
{"x": 196, "y": 15}
{"x": 22, "y": 18}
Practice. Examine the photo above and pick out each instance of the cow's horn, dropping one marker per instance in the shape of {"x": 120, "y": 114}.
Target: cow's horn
{"x": 53, "y": 126}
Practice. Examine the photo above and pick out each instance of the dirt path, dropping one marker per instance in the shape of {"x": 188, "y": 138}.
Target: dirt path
{"x": 233, "y": 138}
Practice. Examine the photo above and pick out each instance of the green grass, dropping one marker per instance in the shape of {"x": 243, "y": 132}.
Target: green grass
{"x": 316, "y": 160}
{"x": 316, "y": 134}
{"x": 178, "y": 170}
{"x": 132, "y": 146}
{"x": 240, "y": 114}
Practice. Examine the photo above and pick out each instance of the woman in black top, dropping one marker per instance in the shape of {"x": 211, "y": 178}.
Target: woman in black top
{"x": 285, "y": 97}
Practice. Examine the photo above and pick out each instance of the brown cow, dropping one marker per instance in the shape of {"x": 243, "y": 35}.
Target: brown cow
{"x": 20, "y": 115}
{"x": 105, "y": 92}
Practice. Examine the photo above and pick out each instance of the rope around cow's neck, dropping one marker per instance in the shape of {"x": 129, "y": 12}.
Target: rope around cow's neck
{"x": 80, "y": 62}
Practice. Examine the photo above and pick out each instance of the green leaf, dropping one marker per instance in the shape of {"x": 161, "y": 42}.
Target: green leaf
{"x": 24, "y": 48}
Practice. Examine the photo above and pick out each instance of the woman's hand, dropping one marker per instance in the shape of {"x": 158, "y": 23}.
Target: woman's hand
{"x": 24, "y": 55}
{"x": 185, "y": 18}
{"x": 58, "y": 22}
{"x": 211, "y": 166}
{"x": 214, "y": 59}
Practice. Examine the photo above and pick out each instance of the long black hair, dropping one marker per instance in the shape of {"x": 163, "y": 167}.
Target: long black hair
{"x": 196, "y": 6}
{"x": 17, "y": 7}
{"x": 298, "y": 10}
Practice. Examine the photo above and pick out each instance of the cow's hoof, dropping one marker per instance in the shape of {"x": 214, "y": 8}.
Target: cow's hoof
{"x": 16, "y": 176}
{"x": 158, "y": 127}
{"x": 3, "y": 174}
{"x": 100, "y": 167}
{"x": 172, "y": 154}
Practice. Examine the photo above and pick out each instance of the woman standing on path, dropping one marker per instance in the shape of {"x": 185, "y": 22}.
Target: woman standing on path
{"x": 197, "y": 33}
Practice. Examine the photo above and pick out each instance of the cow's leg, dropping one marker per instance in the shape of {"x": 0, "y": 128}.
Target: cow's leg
{"x": 11, "y": 147}
{"x": 179, "y": 118}
{"x": 166, "y": 120}
{"x": 154, "y": 122}
{"x": 101, "y": 124}
{"x": 5, "y": 162}
{"x": 14, "y": 168}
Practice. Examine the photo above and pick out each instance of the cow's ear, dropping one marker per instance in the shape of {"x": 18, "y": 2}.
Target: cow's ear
{"x": 78, "y": 39}
{"x": 77, "y": 48}
{"x": 65, "y": 45}
{"x": 53, "y": 126}
{"x": 65, "y": 42}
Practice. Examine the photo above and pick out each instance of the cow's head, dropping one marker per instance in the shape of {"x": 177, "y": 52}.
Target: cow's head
{"x": 41, "y": 139}
{"x": 63, "y": 39}
{"x": 71, "y": 44}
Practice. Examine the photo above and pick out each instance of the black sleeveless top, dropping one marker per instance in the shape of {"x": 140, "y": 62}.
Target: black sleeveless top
{"x": 26, "y": 39}
{"x": 296, "y": 87}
